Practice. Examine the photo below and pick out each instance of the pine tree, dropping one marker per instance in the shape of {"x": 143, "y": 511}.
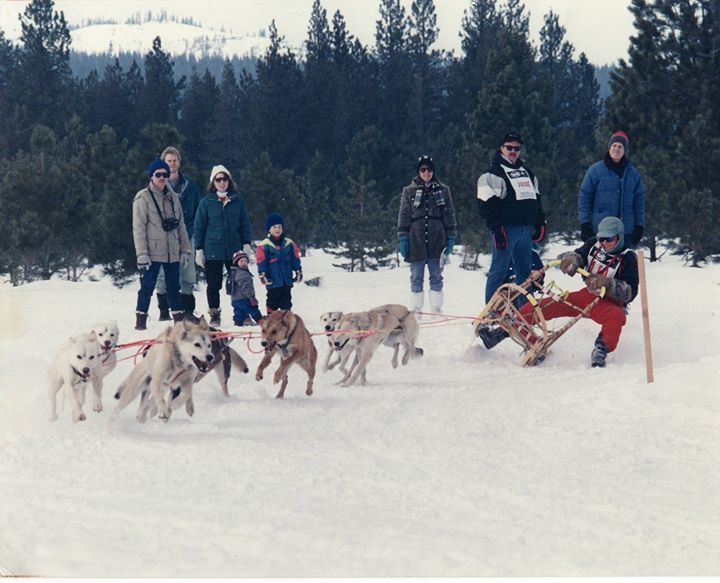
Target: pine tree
{"x": 228, "y": 141}
{"x": 160, "y": 97}
{"x": 197, "y": 117}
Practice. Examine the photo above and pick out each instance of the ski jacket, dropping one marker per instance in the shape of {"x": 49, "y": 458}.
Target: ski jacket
{"x": 509, "y": 195}
{"x": 189, "y": 194}
{"x": 603, "y": 193}
{"x": 277, "y": 259}
{"x": 221, "y": 228}
{"x": 240, "y": 284}
{"x": 622, "y": 267}
{"x": 427, "y": 217}
{"x": 148, "y": 234}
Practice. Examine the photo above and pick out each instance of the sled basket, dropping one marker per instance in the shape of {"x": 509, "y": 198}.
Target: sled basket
{"x": 534, "y": 336}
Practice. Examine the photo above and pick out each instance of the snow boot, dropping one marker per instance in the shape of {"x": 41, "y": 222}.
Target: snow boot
{"x": 178, "y": 316}
{"x": 188, "y": 303}
{"x": 436, "y": 301}
{"x": 599, "y": 354}
{"x": 141, "y": 320}
{"x": 215, "y": 317}
{"x": 417, "y": 299}
{"x": 491, "y": 336}
{"x": 164, "y": 307}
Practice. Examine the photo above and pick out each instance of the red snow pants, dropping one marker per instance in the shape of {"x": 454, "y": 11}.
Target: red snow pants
{"x": 608, "y": 314}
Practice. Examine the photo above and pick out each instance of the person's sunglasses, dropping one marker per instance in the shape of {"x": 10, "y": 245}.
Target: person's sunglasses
{"x": 425, "y": 169}
{"x": 221, "y": 179}
{"x": 161, "y": 175}
{"x": 513, "y": 148}
{"x": 607, "y": 239}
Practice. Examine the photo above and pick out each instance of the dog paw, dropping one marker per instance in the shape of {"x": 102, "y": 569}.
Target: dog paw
{"x": 52, "y": 417}
{"x": 258, "y": 376}
{"x": 80, "y": 417}
{"x": 97, "y": 407}
{"x": 309, "y": 391}
{"x": 277, "y": 377}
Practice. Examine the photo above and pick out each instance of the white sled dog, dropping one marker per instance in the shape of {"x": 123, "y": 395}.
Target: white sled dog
{"x": 168, "y": 370}
{"x": 329, "y": 322}
{"x": 108, "y": 335}
{"x": 363, "y": 332}
{"x": 74, "y": 364}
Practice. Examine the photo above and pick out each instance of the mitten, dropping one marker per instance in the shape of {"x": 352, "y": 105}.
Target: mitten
{"x": 637, "y": 234}
{"x": 500, "y": 238}
{"x": 586, "y": 231}
{"x": 264, "y": 280}
{"x": 184, "y": 260}
{"x": 403, "y": 246}
{"x": 143, "y": 261}
{"x": 449, "y": 245}
{"x": 298, "y": 276}
{"x": 569, "y": 263}
{"x": 253, "y": 302}
{"x": 595, "y": 282}
{"x": 247, "y": 248}
{"x": 200, "y": 258}
{"x": 539, "y": 232}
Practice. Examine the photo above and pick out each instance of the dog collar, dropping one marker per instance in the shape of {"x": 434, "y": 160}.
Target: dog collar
{"x": 338, "y": 348}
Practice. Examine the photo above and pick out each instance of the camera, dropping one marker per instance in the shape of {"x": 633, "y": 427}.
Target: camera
{"x": 170, "y": 224}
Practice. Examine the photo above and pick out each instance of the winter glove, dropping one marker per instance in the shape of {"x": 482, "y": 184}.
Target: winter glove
{"x": 403, "y": 246}
{"x": 586, "y": 231}
{"x": 248, "y": 250}
{"x": 143, "y": 261}
{"x": 184, "y": 260}
{"x": 569, "y": 263}
{"x": 595, "y": 283}
{"x": 264, "y": 280}
{"x": 500, "y": 238}
{"x": 539, "y": 232}
{"x": 297, "y": 277}
{"x": 449, "y": 245}
{"x": 637, "y": 234}
{"x": 200, "y": 258}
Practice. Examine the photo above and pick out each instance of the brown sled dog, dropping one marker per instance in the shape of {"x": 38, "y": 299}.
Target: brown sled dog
{"x": 285, "y": 332}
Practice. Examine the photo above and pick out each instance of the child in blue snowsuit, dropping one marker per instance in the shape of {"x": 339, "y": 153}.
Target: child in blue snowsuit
{"x": 278, "y": 263}
{"x": 239, "y": 285}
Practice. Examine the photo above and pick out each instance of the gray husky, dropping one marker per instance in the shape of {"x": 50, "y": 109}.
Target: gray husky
{"x": 165, "y": 377}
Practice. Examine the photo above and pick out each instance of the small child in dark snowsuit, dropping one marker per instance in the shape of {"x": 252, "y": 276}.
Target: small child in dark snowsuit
{"x": 239, "y": 285}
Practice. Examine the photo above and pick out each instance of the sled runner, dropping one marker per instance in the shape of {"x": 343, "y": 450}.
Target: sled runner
{"x": 535, "y": 338}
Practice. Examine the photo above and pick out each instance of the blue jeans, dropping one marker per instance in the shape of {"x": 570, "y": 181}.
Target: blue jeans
{"x": 148, "y": 278}
{"x": 519, "y": 250}
{"x": 417, "y": 275}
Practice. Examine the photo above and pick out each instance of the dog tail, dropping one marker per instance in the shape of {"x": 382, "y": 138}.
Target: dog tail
{"x": 238, "y": 361}
{"x": 119, "y": 391}
{"x": 419, "y": 351}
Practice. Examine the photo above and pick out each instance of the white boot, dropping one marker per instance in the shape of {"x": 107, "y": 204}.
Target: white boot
{"x": 416, "y": 302}
{"x": 436, "y": 301}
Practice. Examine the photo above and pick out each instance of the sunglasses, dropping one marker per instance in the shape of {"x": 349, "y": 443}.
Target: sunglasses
{"x": 221, "y": 179}
{"x": 161, "y": 175}
{"x": 425, "y": 169}
{"x": 513, "y": 148}
{"x": 607, "y": 239}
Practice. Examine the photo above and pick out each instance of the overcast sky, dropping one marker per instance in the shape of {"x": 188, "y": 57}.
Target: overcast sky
{"x": 600, "y": 28}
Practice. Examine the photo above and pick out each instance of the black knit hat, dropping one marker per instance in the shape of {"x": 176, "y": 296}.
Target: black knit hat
{"x": 425, "y": 160}
{"x": 274, "y": 219}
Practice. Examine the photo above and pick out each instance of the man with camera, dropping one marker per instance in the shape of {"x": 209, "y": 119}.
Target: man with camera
{"x": 161, "y": 240}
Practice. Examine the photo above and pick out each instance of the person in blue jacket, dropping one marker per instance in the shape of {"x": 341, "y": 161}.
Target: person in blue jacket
{"x": 278, "y": 264}
{"x": 222, "y": 226}
{"x": 613, "y": 187}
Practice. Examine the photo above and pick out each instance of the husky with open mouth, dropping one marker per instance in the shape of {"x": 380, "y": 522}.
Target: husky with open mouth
{"x": 165, "y": 377}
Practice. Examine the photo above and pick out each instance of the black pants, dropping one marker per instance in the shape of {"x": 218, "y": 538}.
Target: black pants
{"x": 214, "y": 278}
{"x": 278, "y": 298}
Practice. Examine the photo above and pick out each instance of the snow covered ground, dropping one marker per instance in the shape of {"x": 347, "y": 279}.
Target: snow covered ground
{"x": 460, "y": 464}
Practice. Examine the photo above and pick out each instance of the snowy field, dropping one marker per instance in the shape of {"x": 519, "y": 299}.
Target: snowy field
{"x": 460, "y": 464}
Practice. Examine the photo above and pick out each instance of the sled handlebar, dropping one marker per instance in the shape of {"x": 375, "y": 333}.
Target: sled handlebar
{"x": 580, "y": 270}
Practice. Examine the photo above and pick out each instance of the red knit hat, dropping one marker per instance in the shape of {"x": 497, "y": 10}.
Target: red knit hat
{"x": 237, "y": 256}
{"x": 619, "y": 138}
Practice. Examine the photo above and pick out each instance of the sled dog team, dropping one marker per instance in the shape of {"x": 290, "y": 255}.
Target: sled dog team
{"x": 185, "y": 352}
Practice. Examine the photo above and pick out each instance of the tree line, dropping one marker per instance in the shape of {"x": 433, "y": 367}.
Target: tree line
{"x": 330, "y": 139}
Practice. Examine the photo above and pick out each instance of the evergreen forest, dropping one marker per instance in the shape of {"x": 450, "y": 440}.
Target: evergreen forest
{"x": 330, "y": 139}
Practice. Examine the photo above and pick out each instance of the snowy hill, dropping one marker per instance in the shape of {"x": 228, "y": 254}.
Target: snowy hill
{"x": 177, "y": 38}
{"x": 459, "y": 464}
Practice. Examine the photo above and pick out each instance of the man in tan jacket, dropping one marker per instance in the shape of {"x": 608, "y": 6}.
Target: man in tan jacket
{"x": 161, "y": 240}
